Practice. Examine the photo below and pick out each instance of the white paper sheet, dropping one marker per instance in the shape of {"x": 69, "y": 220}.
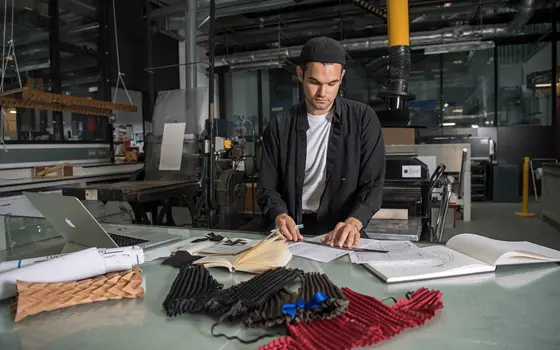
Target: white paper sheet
{"x": 316, "y": 252}
{"x": 186, "y": 245}
{"x": 397, "y": 251}
{"x": 324, "y": 253}
{"x": 225, "y": 248}
{"x": 172, "y": 146}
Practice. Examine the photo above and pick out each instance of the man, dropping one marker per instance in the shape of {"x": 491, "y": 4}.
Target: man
{"x": 323, "y": 162}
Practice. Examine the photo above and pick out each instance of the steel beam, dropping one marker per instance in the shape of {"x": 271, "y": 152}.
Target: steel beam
{"x": 190, "y": 44}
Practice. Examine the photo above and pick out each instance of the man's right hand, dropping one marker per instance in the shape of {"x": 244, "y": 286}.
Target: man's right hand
{"x": 287, "y": 227}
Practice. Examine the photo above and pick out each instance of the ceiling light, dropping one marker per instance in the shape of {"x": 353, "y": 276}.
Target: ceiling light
{"x": 13, "y": 111}
{"x": 457, "y": 62}
{"x": 474, "y": 126}
{"x": 446, "y": 104}
{"x": 547, "y": 85}
{"x": 458, "y": 110}
{"x": 448, "y": 124}
{"x": 447, "y": 4}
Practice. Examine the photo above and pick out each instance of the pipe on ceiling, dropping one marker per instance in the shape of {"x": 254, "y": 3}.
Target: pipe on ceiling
{"x": 230, "y": 7}
{"x": 441, "y": 36}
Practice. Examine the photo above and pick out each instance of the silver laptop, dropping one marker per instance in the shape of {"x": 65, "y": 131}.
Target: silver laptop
{"x": 71, "y": 219}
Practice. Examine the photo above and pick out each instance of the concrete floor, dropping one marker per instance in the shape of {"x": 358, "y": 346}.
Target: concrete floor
{"x": 498, "y": 221}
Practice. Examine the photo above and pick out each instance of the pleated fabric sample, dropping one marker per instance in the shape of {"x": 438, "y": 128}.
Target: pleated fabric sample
{"x": 270, "y": 314}
{"x": 336, "y": 303}
{"x": 190, "y": 291}
{"x": 33, "y": 298}
{"x": 241, "y": 298}
{"x": 368, "y": 321}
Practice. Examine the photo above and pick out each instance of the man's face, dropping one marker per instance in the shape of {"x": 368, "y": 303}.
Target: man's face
{"x": 320, "y": 85}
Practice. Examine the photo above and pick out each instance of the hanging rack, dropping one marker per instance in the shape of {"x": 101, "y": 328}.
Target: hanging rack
{"x": 33, "y": 95}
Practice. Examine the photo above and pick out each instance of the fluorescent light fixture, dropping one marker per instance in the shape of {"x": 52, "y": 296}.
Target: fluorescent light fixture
{"x": 93, "y": 89}
{"x": 547, "y": 85}
{"x": 13, "y": 111}
{"x": 448, "y": 124}
{"x": 446, "y": 104}
{"x": 458, "y": 47}
{"x": 474, "y": 126}
{"x": 458, "y": 110}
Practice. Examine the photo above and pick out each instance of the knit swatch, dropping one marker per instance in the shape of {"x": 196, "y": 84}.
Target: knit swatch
{"x": 336, "y": 304}
{"x": 368, "y": 321}
{"x": 271, "y": 314}
{"x": 241, "y": 298}
{"x": 190, "y": 291}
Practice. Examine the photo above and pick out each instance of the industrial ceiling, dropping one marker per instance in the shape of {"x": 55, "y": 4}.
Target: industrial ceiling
{"x": 245, "y": 26}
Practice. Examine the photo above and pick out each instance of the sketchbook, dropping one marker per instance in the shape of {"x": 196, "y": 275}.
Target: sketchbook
{"x": 465, "y": 254}
{"x": 270, "y": 253}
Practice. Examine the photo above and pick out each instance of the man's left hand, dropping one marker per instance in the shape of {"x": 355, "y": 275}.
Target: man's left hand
{"x": 345, "y": 233}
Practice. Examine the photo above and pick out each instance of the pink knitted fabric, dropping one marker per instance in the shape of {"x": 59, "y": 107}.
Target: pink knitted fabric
{"x": 368, "y": 321}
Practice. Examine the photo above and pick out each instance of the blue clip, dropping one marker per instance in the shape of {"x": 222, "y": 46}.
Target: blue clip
{"x": 316, "y": 301}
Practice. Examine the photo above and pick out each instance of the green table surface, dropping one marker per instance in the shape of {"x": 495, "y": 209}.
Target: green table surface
{"x": 515, "y": 308}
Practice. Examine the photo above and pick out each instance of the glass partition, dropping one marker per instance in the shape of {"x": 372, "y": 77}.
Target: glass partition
{"x": 525, "y": 84}
{"x": 468, "y": 89}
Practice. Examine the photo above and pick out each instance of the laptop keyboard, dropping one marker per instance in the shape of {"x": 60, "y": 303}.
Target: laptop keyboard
{"x": 124, "y": 241}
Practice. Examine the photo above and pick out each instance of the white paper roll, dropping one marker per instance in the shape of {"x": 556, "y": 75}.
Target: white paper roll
{"x": 69, "y": 267}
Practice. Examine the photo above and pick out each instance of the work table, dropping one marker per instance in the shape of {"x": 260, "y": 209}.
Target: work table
{"x": 516, "y": 308}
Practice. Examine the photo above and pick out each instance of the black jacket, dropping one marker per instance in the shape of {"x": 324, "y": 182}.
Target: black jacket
{"x": 355, "y": 165}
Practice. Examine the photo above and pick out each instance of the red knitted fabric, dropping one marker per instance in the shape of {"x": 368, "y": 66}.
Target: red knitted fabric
{"x": 368, "y": 321}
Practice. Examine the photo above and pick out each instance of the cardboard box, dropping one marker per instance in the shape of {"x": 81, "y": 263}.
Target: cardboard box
{"x": 398, "y": 136}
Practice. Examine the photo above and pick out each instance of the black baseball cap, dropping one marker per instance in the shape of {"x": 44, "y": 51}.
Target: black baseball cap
{"x": 323, "y": 49}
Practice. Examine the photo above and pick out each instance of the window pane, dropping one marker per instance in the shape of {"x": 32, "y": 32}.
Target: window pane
{"x": 424, "y": 81}
{"x": 468, "y": 89}
{"x": 82, "y": 127}
{"x": 363, "y": 80}
{"x": 25, "y": 124}
{"x": 283, "y": 91}
{"x": 525, "y": 80}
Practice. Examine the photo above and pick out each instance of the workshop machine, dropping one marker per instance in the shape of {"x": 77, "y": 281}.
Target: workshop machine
{"x": 407, "y": 187}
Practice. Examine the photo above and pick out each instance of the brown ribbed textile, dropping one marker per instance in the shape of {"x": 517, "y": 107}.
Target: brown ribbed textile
{"x": 33, "y": 298}
{"x": 270, "y": 314}
{"x": 336, "y": 304}
{"x": 191, "y": 290}
{"x": 244, "y": 297}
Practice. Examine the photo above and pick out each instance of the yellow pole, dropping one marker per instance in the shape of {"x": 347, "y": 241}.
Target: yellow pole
{"x": 397, "y": 21}
{"x": 525, "y": 200}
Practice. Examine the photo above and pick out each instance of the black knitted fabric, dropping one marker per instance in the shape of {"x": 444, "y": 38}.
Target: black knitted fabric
{"x": 191, "y": 290}
{"x": 336, "y": 304}
{"x": 238, "y": 300}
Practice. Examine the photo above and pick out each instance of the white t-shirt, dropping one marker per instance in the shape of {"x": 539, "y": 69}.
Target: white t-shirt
{"x": 316, "y": 162}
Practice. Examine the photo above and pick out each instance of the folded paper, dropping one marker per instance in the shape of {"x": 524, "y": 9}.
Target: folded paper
{"x": 33, "y": 298}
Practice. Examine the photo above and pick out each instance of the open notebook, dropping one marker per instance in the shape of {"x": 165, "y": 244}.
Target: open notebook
{"x": 270, "y": 253}
{"x": 465, "y": 254}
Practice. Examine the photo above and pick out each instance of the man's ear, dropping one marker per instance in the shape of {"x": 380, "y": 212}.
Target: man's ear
{"x": 299, "y": 71}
